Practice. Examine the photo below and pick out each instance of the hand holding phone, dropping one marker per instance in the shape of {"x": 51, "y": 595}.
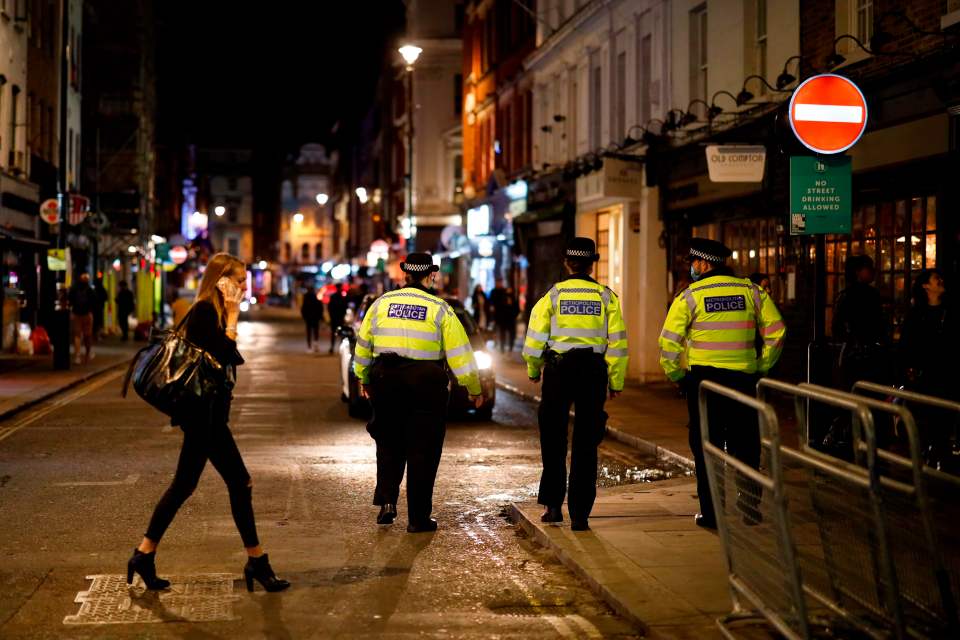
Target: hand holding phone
{"x": 231, "y": 292}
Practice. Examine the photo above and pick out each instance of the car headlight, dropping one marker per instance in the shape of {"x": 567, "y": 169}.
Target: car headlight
{"x": 484, "y": 360}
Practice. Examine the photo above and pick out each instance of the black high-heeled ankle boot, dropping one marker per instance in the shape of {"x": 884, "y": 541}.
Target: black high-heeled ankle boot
{"x": 259, "y": 569}
{"x": 388, "y": 513}
{"x": 143, "y": 564}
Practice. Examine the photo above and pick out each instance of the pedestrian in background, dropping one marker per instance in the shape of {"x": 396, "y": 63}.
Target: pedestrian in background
{"x": 928, "y": 350}
{"x": 860, "y": 326}
{"x": 403, "y": 341}
{"x": 762, "y": 280}
{"x": 478, "y": 300}
{"x": 83, "y": 302}
{"x": 505, "y": 312}
{"x": 311, "y": 310}
{"x": 716, "y": 319}
{"x": 577, "y": 340}
{"x": 124, "y": 302}
{"x": 101, "y": 302}
{"x": 212, "y": 326}
{"x": 337, "y": 311}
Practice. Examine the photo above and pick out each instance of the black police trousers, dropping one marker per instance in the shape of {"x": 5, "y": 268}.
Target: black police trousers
{"x": 733, "y": 426}
{"x": 578, "y": 377}
{"x": 409, "y": 399}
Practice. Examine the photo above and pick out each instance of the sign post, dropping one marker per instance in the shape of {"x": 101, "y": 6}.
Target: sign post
{"x": 828, "y": 114}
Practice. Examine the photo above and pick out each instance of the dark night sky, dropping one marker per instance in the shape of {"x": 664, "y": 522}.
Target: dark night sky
{"x": 268, "y": 75}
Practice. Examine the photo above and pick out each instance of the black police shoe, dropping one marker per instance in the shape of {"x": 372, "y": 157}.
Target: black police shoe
{"x": 387, "y": 515}
{"x": 552, "y": 514}
{"x": 424, "y": 526}
{"x": 706, "y": 522}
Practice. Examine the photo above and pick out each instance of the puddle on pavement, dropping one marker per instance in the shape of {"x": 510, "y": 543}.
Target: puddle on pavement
{"x": 612, "y": 473}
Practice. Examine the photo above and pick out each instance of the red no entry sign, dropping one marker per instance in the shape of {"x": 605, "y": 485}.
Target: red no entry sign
{"x": 828, "y": 113}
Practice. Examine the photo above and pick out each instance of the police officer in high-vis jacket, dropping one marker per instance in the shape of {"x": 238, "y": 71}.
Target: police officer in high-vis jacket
{"x": 716, "y": 320}
{"x": 577, "y": 339}
{"x": 404, "y": 339}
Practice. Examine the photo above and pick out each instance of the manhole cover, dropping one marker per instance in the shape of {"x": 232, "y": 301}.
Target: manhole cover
{"x": 194, "y": 598}
{"x": 531, "y": 610}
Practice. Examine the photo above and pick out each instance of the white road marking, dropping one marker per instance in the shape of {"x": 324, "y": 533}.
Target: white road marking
{"x": 130, "y": 479}
{"x": 51, "y": 406}
{"x": 827, "y": 113}
{"x": 586, "y": 625}
{"x": 561, "y": 626}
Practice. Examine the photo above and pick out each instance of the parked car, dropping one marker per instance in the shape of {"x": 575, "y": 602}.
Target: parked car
{"x": 459, "y": 398}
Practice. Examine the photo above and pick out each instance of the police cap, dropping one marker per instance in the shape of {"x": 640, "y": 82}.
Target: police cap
{"x": 582, "y": 249}
{"x": 710, "y": 250}
{"x": 418, "y": 264}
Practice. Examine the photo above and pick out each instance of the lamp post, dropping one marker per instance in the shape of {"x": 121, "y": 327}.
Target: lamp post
{"x": 410, "y": 53}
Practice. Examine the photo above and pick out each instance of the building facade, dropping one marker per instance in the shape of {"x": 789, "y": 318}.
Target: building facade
{"x": 309, "y": 231}
{"x": 228, "y": 200}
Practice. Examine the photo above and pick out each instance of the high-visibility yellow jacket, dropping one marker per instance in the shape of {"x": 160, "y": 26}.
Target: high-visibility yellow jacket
{"x": 413, "y": 323}
{"x": 578, "y": 313}
{"x": 716, "y": 319}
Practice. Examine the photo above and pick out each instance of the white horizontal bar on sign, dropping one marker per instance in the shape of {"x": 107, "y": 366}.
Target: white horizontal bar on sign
{"x": 828, "y": 113}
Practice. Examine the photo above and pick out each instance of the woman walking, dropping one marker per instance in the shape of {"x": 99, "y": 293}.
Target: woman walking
{"x": 211, "y": 324}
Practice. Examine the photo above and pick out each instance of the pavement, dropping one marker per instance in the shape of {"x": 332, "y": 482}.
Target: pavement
{"x": 649, "y": 417}
{"x": 28, "y": 380}
{"x": 643, "y": 554}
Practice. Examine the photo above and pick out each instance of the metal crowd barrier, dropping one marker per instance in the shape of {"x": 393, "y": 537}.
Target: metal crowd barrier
{"x": 763, "y": 571}
{"x": 926, "y": 594}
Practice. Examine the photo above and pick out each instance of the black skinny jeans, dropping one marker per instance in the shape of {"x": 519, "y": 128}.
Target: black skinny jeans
{"x": 215, "y": 443}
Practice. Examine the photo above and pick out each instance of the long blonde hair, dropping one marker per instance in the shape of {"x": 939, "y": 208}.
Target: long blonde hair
{"x": 220, "y": 265}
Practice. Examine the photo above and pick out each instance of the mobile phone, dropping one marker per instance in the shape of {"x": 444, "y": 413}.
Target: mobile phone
{"x": 227, "y": 287}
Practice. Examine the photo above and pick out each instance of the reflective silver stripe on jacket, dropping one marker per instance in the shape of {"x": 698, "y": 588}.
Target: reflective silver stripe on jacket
{"x": 757, "y": 302}
{"x": 363, "y": 343}
{"x": 617, "y": 335}
{"x": 720, "y": 346}
{"x": 465, "y": 369}
{"x": 362, "y": 360}
{"x": 716, "y": 285}
{"x": 622, "y": 353}
{"x": 533, "y": 353}
{"x": 459, "y": 351}
{"x": 417, "y": 354}
{"x": 536, "y": 335}
{"x": 776, "y": 326}
{"x": 670, "y": 335}
{"x": 691, "y": 302}
{"x": 724, "y": 324}
{"x": 669, "y": 355}
{"x": 402, "y": 332}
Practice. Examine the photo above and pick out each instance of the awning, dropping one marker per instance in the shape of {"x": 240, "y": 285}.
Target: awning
{"x": 9, "y": 236}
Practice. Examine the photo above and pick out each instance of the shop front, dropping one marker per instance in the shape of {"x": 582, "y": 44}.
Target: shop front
{"x": 617, "y": 210}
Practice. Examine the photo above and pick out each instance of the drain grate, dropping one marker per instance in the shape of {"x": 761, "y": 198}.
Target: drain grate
{"x": 532, "y": 610}
{"x": 191, "y": 598}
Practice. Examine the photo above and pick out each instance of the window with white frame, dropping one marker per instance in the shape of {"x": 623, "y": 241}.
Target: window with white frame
{"x": 760, "y": 40}
{"x": 596, "y": 102}
{"x": 644, "y": 82}
{"x": 621, "y": 88}
{"x": 698, "y": 53}
{"x": 862, "y": 20}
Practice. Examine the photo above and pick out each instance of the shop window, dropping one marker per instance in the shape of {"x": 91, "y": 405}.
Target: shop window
{"x": 603, "y": 247}
{"x": 900, "y": 236}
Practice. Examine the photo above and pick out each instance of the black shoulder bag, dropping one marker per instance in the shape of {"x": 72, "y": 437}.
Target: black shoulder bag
{"x": 174, "y": 375}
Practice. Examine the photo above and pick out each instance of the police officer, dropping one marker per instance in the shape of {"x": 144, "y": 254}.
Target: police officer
{"x": 716, "y": 320}
{"x": 399, "y": 359}
{"x": 577, "y": 338}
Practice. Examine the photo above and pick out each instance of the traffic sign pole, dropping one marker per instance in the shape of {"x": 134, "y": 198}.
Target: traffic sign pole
{"x": 828, "y": 114}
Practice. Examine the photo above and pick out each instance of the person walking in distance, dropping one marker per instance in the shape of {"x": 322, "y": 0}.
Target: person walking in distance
{"x": 124, "y": 301}
{"x": 83, "y": 301}
{"x": 505, "y": 312}
{"x": 312, "y": 313}
{"x": 715, "y": 320}
{"x": 211, "y": 325}
{"x": 577, "y": 340}
{"x": 403, "y": 341}
{"x": 337, "y": 310}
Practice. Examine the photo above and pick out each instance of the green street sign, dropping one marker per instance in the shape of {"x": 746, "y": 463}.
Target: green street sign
{"x": 820, "y": 194}
{"x": 163, "y": 252}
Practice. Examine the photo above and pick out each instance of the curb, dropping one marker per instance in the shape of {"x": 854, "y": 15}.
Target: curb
{"x": 9, "y": 413}
{"x": 648, "y": 447}
{"x": 604, "y": 592}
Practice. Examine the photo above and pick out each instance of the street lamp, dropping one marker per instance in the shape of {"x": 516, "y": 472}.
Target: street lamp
{"x": 322, "y": 199}
{"x": 410, "y": 54}
{"x": 219, "y": 210}
{"x": 362, "y": 195}
{"x": 298, "y": 217}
